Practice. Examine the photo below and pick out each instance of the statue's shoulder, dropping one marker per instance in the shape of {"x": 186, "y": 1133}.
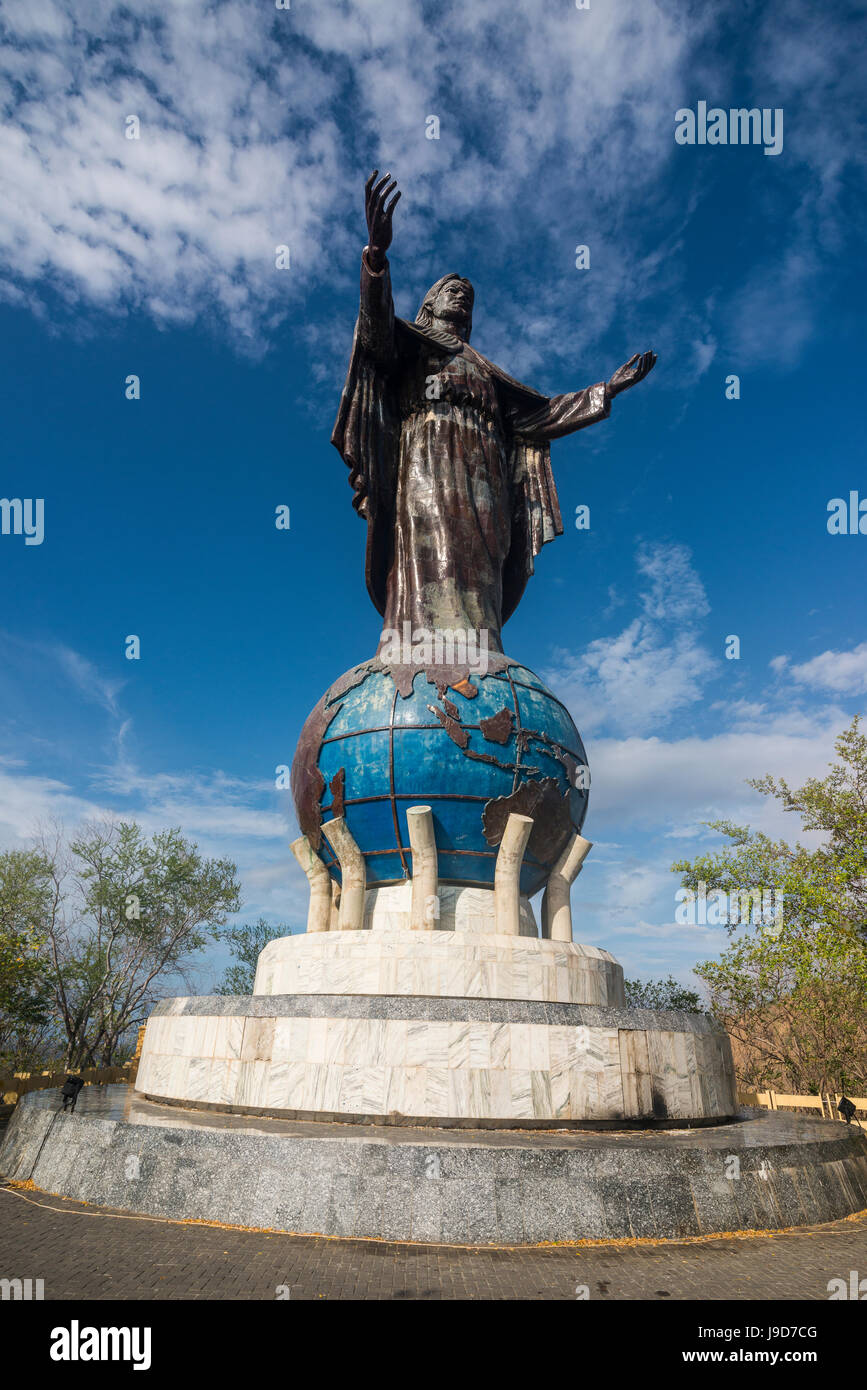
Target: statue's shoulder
{"x": 504, "y": 379}
{"x": 414, "y": 337}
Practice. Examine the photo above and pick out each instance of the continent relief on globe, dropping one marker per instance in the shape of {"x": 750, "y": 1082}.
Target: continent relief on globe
{"x": 380, "y": 741}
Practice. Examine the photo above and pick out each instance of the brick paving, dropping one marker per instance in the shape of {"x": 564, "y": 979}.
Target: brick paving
{"x": 87, "y": 1252}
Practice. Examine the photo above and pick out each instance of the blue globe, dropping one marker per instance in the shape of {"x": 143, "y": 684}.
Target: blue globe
{"x": 497, "y": 743}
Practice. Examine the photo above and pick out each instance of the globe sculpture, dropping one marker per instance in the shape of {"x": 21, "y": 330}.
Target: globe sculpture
{"x": 501, "y": 744}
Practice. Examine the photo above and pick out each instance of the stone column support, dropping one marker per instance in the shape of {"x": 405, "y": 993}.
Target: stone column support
{"x": 352, "y": 872}
{"x": 507, "y": 874}
{"x": 319, "y": 909}
{"x": 425, "y": 874}
{"x": 556, "y": 906}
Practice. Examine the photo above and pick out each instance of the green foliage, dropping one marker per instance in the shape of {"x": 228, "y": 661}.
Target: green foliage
{"x": 661, "y": 994}
{"x": 115, "y": 913}
{"x": 792, "y": 995}
{"x": 25, "y": 984}
{"x": 245, "y": 944}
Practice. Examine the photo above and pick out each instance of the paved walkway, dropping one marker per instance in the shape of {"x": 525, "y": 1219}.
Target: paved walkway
{"x": 88, "y": 1252}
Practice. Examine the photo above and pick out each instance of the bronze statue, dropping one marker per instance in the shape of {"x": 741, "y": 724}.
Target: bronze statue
{"x": 449, "y": 457}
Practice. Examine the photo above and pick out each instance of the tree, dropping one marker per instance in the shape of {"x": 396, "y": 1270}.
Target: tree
{"x": 122, "y": 913}
{"x": 833, "y": 878}
{"x": 245, "y": 944}
{"x": 791, "y": 990}
{"x": 25, "y": 984}
{"x": 661, "y": 994}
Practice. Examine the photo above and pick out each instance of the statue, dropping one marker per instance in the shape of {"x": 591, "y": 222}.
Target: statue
{"x": 449, "y": 457}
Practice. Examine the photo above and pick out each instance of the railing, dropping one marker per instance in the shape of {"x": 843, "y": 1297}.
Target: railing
{"x": 825, "y": 1103}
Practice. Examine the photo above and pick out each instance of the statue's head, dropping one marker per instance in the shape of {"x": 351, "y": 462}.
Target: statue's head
{"x": 448, "y": 305}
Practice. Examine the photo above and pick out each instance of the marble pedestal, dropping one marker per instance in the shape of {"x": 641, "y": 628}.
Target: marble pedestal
{"x": 370, "y": 1064}
{"x": 451, "y": 1028}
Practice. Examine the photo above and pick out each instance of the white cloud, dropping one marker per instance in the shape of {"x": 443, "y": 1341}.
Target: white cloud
{"x": 186, "y": 218}
{"x": 221, "y": 815}
{"x": 812, "y": 70}
{"x": 257, "y": 126}
{"x": 240, "y": 819}
{"x": 676, "y": 593}
{"x": 844, "y": 672}
{"x": 672, "y": 786}
{"x": 634, "y": 680}
{"x": 27, "y": 801}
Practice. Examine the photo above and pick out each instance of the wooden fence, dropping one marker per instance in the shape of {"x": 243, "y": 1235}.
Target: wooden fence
{"x": 826, "y": 1104}
{"x": 13, "y": 1087}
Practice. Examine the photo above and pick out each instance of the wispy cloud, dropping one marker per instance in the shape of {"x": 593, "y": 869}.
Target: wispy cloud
{"x": 86, "y": 677}
{"x": 641, "y": 677}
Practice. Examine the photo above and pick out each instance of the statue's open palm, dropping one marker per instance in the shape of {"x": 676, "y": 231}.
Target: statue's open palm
{"x": 378, "y": 210}
{"x": 633, "y": 371}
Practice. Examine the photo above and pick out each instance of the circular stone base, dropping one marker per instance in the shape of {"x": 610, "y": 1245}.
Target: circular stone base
{"x": 435, "y": 964}
{"x": 764, "y": 1172}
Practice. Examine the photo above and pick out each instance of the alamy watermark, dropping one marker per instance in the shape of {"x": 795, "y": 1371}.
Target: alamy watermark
{"x": 855, "y": 1288}
{"x": 77, "y": 1343}
{"x": 737, "y": 126}
{"x": 23, "y": 516}
{"x": 759, "y": 906}
{"x": 22, "y": 1290}
{"x": 422, "y": 646}
{"x": 848, "y": 516}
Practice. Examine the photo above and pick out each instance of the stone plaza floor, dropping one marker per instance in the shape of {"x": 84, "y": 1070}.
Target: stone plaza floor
{"x": 85, "y": 1252}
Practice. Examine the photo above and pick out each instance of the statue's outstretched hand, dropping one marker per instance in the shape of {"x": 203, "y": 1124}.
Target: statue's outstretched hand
{"x": 633, "y": 371}
{"x": 378, "y": 211}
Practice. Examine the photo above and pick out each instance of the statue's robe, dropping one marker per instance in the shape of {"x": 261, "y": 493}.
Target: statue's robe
{"x": 449, "y": 460}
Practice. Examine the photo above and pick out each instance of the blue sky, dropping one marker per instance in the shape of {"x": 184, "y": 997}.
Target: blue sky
{"x": 156, "y": 258}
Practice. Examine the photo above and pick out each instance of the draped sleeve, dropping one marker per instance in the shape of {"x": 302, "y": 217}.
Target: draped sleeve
{"x": 367, "y": 429}
{"x": 533, "y": 421}
{"x": 555, "y": 416}
{"x": 376, "y": 312}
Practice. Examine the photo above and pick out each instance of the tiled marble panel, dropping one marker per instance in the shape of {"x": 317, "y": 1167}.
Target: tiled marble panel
{"x": 439, "y": 964}
{"x": 439, "y": 1069}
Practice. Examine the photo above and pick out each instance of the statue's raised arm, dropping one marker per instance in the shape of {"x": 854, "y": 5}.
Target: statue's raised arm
{"x": 376, "y": 309}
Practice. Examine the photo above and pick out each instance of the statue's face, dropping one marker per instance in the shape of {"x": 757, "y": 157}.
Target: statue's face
{"x": 454, "y": 303}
